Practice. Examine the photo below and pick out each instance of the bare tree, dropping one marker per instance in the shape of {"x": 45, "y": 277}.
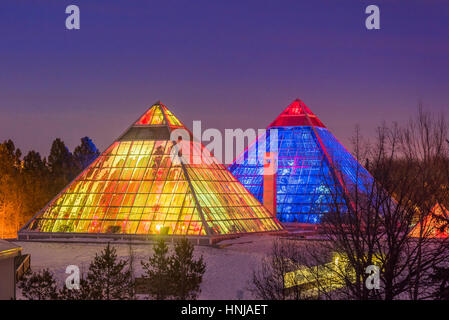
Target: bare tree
{"x": 271, "y": 280}
{"x": 371, "y": 217}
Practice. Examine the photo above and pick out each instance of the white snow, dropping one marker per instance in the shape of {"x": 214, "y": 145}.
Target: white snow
{"x": 228, "y": 267}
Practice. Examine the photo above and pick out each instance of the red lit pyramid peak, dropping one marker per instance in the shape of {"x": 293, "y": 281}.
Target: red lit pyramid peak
{"x": 295, "y": 115}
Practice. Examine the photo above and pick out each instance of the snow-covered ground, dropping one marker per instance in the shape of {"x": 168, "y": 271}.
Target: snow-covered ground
{"x": 229, "y": 266}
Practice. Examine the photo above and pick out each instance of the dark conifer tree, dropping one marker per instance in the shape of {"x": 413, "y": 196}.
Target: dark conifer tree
{"x": 157, "y": 272}
{"x": 60, "y": 159}
{"x": 441, "y": 277}
{"x": 75, "y": 294}
{"x": 14, "y": 153}
{"x": 176, "y": 276}
{"x": 33, "y": 162}
{"x": 11, "y": 193}
{"x": 108, "y": 278}
{"x": 186, "y": 271}
{"x": 61, "y": 165}
{"x": 39, "y": 286}
{"x": 85, "y": 153}
{"x": 37, "y": 184}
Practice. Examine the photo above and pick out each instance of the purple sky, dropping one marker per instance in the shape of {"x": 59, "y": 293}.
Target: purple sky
{"x": 231, "y": 64}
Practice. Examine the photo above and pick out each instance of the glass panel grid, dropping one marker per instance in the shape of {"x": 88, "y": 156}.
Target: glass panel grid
{"x": 136, "y": 188}
{"x": 306, "y": 187}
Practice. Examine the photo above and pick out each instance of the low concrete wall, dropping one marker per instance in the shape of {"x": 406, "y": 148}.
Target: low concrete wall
{"x": 7, "y": 278}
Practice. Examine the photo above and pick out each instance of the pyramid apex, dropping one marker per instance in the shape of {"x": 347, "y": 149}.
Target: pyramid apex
{"x": 297, "y": 114}
{"x": 158, "y": 115}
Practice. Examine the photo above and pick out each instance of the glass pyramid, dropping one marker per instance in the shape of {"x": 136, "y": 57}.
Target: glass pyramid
{"x": 142, "y": 185}
{"x": 315, "y": 172}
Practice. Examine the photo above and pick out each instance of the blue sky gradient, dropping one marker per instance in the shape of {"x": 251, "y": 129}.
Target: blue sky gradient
{"x": 231, "y": 64}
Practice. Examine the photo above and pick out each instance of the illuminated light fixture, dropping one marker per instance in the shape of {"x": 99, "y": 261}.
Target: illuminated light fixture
{"x": 138, "y": 187}
{"x": 314, "y": 168}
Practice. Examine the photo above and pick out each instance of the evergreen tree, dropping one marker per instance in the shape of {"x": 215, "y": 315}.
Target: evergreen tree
{"x": 157, "y": 272}
{"x": 60, "y": 160}
{"x": 39, "y": 286}
{"x": 61, "y": 165}
{"x": 131, "y": 269}
{"x": 176, "y": 276}
{"x": 12, "y": 152}
{"x": 75, "y": 294}
{"x": 186, "y": 272}
{"x": 37, "y": 184}
{"x": 107, "y": 278}
{"x": 11, "y": 193}
{"x": 85, "y": 153}
{"x": 441, "y": 277}
{"x": 33, "y": 162}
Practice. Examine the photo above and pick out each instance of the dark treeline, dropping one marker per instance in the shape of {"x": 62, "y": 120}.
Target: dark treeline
{"x": 27, "y": 183}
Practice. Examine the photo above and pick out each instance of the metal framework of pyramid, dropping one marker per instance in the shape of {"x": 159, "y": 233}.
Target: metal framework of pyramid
{"x": 314, "y": 169}
{"x": 140, "y": 187}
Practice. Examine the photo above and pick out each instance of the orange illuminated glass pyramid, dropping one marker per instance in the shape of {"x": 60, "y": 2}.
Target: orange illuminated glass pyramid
{"x": 434, "y": 225}
{"x": 142, "y": 185}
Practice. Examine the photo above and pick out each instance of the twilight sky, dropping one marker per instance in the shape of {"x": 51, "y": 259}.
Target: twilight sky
{"x": 231, "y": 64}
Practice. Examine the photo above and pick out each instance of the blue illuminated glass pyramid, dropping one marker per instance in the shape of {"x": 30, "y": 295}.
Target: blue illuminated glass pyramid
{"x": 315, "y": 172}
